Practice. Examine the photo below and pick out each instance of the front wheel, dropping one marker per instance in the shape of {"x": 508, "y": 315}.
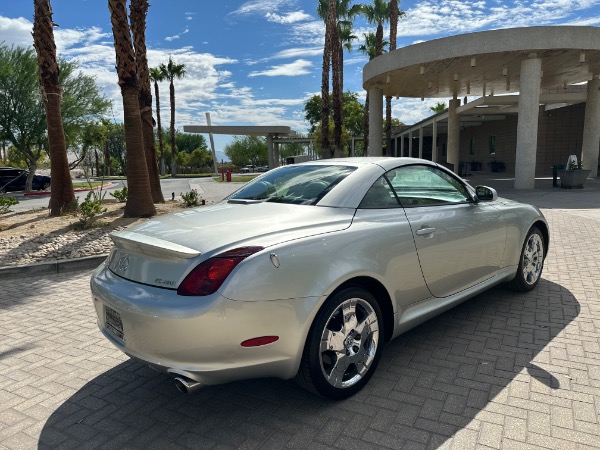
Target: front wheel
{"x": 344, "y": 345}
{"x": 531, "y": 262}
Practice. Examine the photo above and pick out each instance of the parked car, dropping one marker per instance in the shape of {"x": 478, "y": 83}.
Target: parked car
{"x": 13, "y": 179}
{"x": 248, "y": 169}
{"x": 262, "y": 169}
{"x": 306, "y": 271}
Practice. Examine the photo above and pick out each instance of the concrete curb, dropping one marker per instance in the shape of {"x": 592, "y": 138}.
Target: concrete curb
{"x": 52, "y": 267}
{"x": 97, "y": 188}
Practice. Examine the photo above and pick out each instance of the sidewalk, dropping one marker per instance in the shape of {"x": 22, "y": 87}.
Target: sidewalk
{"x": 502, "y": 370}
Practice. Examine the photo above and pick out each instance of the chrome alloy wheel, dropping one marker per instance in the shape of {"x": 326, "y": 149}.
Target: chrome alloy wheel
{"x": 533, "y": 258}
{"x": 349, "y": 343}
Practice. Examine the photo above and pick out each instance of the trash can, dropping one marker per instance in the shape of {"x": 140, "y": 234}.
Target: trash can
{"x": 555, "y": 169}
{"x": 228, "y": 174}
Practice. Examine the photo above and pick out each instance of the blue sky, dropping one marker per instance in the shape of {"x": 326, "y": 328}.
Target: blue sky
{"x": 257, "y": 62}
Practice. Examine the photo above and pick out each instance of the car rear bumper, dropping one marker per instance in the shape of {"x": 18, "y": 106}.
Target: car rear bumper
{"x": 200, "y": 337}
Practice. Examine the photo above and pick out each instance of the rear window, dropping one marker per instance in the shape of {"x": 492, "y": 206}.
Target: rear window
{"x": 294, "y": 184}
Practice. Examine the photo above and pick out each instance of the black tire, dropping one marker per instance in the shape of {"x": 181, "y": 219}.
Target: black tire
{"x": 350, "y": 347}
{"x": 45, "y": 186}
{"x": 531, "y": 262}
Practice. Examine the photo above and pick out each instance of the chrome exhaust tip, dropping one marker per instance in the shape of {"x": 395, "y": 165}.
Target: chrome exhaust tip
{"x": 186, "y": 385}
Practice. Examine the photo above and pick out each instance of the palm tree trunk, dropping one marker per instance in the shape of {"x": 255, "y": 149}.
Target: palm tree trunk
{"x": 139, "y": 199}
{"x": 394, "y": 13}
{"x": 173, "y": 149}
{"x": 335, "y": 77}
{"x": 62, "y": 197}
{"x": 159, "y": 128}
{"x": 325, "y": 152}
{"x": 138, "y": 9}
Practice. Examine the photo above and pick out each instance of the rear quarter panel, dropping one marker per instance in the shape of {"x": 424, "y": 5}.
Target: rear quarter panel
{"x": 519, "y": 217}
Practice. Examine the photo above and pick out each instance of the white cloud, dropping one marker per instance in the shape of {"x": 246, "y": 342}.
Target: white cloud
{"x": 16, "y": 31}
{"x": 306, "y": 52}
{"x": 177, "y": 36}
{"x": 260, "y": 6}
{"x": 291, "y": 17}
{"x": 299, "y": 67}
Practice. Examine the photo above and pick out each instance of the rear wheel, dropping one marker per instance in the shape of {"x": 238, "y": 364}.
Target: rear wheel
{"x": 344, "y": 345}
{"x": 531, "y": 262}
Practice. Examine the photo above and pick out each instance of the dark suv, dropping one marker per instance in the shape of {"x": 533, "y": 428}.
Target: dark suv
{"x": 13, "y": 179}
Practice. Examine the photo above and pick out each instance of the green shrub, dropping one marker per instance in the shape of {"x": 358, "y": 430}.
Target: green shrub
{"x": 6, "y": 203}
{"x": 192, "y": 198}
{"x": 90, "y": 209}
{"x": 121, "y": 195}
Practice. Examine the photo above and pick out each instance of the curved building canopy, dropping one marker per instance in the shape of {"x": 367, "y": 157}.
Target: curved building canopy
{"x": 487, "y": 62}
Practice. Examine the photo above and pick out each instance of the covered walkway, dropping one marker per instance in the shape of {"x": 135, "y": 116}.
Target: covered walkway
{"x": 542, "y": 64}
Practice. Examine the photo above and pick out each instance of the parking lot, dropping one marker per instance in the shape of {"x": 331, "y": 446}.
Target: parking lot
{"x": 502, "y": 370}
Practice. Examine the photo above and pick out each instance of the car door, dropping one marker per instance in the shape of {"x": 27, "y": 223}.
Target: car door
{"x": 459, "y": 242}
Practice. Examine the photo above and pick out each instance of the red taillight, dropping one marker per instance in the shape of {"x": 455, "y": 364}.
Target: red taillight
{"x": 209, "y": 275}
{"x": 258, "y": 341}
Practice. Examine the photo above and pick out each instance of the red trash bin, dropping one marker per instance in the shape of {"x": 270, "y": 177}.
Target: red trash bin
{"x": 228, "y": 174}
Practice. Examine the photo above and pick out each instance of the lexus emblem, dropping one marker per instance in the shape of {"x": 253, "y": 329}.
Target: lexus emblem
{"x": 123, "y": 263}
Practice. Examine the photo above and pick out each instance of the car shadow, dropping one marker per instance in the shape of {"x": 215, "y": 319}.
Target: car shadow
{"x": 431, "y": 383}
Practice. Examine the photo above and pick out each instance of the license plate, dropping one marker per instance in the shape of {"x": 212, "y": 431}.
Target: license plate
{"x": 113, "y": 322}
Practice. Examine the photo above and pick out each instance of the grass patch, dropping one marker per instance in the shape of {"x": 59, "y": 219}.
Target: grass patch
{"x": 239, "y": 179}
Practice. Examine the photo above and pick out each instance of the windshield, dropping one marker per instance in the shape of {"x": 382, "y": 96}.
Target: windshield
{"x": 296, "y": 184}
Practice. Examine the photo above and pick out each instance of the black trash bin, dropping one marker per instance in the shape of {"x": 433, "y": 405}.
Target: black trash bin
{"x": 555, "y": 169}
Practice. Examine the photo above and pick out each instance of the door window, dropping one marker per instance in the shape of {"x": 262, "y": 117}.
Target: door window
{"x": 426, "y": 185}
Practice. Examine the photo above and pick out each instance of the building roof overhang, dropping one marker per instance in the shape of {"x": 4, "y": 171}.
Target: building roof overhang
{"x": 487, "y": 62}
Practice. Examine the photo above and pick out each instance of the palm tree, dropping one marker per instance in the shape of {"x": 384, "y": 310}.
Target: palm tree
{"x": 138, "y": 9}
{"x": 322, "y": 11}
{"x": 156, "y": 75}
{"x": 376, "y": 13}
{"x": 62, "y": 197}
{"x": 395, "y": 13}
{"x": 438, "y": 107}
{"x": 334, "y": 46}
{"x": 172, "y": 71}
{"x": 139, "y": 199}
{"x": 337, "y": 15}
{"x": 346, "y": 37}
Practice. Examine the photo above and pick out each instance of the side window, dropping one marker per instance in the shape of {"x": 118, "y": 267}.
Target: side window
{"x": 425, "y": 185}
{"x": 380, "y": 195}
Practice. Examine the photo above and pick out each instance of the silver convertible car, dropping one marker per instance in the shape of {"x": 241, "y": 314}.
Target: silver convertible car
{"x": 309, "y": 269}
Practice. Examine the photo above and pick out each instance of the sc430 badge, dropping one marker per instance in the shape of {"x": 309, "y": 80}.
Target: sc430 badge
{"x": 164, "y": 282}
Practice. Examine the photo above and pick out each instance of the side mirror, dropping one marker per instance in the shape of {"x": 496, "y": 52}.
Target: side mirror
{"x": 486, "y": 194}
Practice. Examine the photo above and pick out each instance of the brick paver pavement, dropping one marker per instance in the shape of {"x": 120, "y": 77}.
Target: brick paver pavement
{"x": 499, "y": 371}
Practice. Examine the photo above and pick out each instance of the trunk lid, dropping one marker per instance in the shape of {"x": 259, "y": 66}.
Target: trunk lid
{"x": 161, "y": 251}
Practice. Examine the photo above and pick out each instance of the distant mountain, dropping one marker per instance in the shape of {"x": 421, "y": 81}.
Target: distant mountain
{"x": 221, "y": 156}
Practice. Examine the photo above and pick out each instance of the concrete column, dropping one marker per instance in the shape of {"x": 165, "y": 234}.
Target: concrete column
{"x": 452, "y": 151}
{"x": 270, "y": 150}
{"x": 276, "y": 158}
{"x": 401, "y": 145}
{"x": 421, "y": 142}
{"x": 527, "y": 126}
{"x": 410, "y": 144}
{"x": 434, "y": 155}
{"x": 591, "y": 127}
{"x": 375, "y": 121}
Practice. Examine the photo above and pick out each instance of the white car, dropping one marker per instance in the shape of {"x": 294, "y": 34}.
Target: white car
{"x": 309, "y": 269}
{"x": 248, "y": 169}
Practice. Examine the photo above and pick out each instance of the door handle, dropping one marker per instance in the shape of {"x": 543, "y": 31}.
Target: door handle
{"x": 424, "y": 231}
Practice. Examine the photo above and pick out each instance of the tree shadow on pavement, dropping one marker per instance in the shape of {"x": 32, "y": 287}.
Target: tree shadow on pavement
{"x": 430, "y": 385}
